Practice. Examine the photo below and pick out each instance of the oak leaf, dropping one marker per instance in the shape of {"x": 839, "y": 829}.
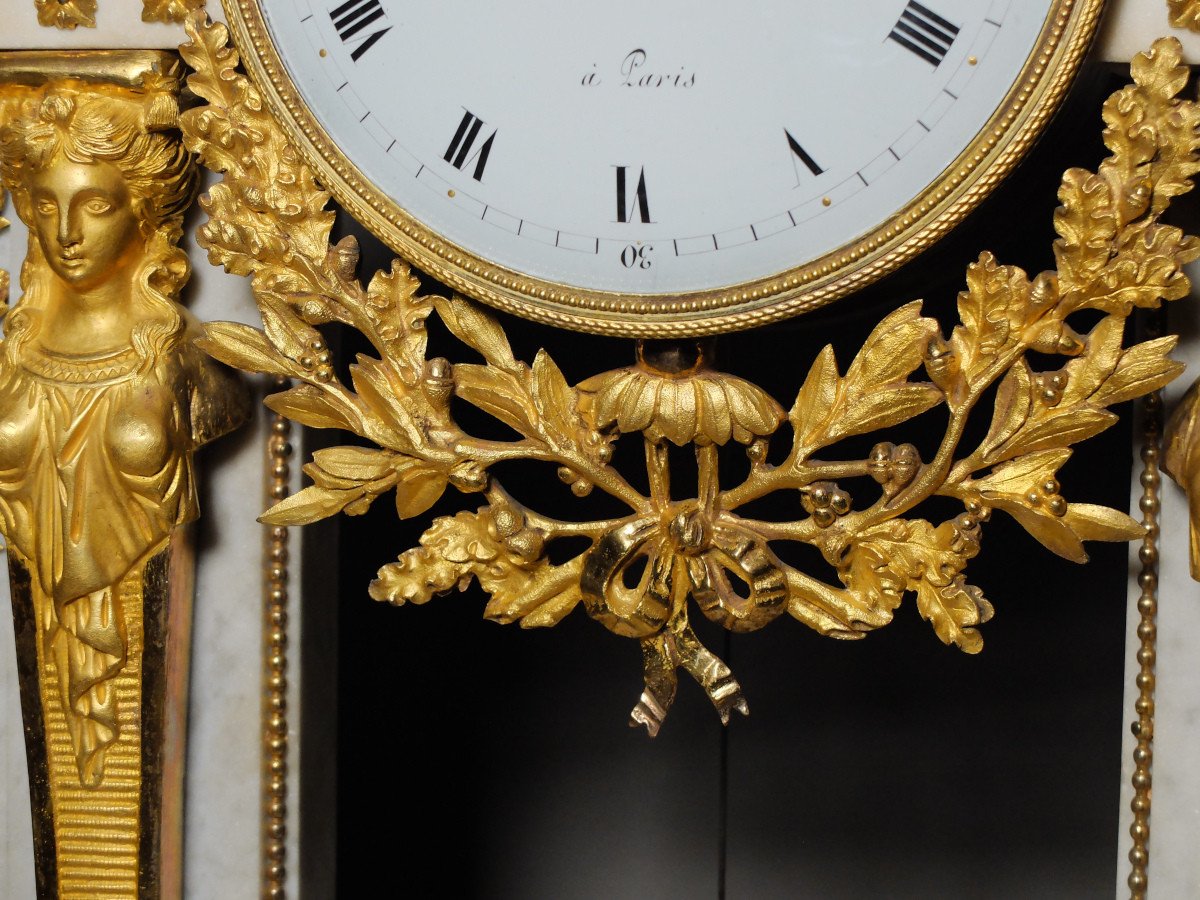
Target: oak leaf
{"x": 1086, "y": 223}
{"x": 417, "y": 576}
{"x": 397, "y": 314}
{"x": 537, "y": 594}
{"x": 994, "y": 311}
{"x": 888, "y": 560}
{"x": 455, "y": 549}
{"x": 952, "y": 609}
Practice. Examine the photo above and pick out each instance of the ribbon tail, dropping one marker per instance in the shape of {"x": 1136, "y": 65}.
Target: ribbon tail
{"x": 711, "y": 674}
{"x": 658, "y": 668}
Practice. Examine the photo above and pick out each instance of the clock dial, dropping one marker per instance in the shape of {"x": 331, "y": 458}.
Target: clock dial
{"x": 678, "y": 165}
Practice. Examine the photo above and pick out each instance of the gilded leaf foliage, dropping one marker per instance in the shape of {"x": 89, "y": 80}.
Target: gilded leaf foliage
{"x": 169, "y": 10}
{"x": 1185, "y": 13}
{"x": 66, "y": 14}
{"x": 645, "y": 572}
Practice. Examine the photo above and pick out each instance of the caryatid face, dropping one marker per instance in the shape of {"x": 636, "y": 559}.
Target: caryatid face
{"x": 84, "y": 220}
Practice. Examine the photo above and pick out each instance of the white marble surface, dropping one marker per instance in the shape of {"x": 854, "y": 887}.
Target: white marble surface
{"x": 1175, "y": 811}
{"x": 1130, "y": 26}
{"x": 118, "y": 25}
{"x": 16, "y": 839}
{"x": 224, "y": 751}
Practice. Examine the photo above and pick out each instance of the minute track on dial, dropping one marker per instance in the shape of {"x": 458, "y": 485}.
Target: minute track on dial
{"x": 518, "y": 209}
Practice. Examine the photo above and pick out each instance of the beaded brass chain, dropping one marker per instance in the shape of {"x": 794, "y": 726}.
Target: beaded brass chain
{"x": 1143, "y": 726}
{"x": 275, "y": 664}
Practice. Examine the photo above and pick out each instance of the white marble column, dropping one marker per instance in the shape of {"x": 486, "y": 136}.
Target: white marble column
{"x": 1174, "y": 869}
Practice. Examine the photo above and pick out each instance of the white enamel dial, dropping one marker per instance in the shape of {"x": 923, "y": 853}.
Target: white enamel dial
{"x": 653, "y": 151}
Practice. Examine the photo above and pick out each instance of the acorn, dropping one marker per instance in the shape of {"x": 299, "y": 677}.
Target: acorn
{"x": 1135, "y": 199}
{"x": 345, "y": 257}
{"x": 941, "y": 363}
{"x": 879, "y": 463}
{"x": 1058, "y": 337}
{"x": 906, "y": 462}
{"x": 315, "y": 310}
{"x": 439, "y": 382}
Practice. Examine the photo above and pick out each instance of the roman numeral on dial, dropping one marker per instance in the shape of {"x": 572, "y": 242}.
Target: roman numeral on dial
{"x": 351, "y": 20}
{"x": 635, "y": 203}
{"x": 923, "y": 32}
{"x": 800, "y": 155}
{"x": 459, "y": 154}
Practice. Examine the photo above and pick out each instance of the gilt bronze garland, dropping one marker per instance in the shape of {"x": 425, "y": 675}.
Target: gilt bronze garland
{"x": 268, "y": 220}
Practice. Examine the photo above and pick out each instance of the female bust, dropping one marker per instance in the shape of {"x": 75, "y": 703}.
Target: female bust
{"x": 103, "y": 396}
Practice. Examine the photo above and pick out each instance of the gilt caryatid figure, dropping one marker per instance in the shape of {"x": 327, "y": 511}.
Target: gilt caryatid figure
{"x": 103, "y": 399}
